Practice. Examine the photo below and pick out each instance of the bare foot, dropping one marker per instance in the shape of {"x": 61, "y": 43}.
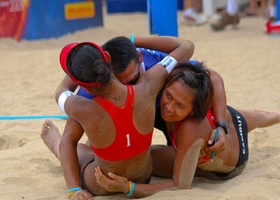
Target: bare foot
{"x": 51, "y": 136}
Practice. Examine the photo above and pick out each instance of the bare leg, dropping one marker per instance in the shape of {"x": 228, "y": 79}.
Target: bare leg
{"x": 260, "y": 118}
{"x": 51, "y": 137}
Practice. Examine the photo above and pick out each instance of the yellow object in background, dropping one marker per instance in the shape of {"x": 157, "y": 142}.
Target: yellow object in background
{"x": 79, "y": 10}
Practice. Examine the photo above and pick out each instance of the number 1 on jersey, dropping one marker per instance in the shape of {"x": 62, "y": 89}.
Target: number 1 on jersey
{"x": 127, "y": 140}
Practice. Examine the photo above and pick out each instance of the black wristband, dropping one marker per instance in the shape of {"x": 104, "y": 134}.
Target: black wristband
{"x": 223, "y": 125}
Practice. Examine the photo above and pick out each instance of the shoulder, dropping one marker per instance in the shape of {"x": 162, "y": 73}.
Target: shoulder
{"x": 78, "y": 99}
{"x": 77, "y": 104}
{"x": 192, "y": 129}
{"x": 188, "y": 126}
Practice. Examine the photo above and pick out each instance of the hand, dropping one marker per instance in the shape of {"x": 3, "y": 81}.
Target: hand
{"x": 82, "y": 195}
{"x": 112, "y": 183}
{"x": 220, "y": 146}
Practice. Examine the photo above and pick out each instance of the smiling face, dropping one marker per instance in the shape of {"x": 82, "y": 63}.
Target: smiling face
{"x": 176, "y": 101}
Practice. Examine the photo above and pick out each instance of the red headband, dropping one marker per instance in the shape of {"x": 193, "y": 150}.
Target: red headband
{"x": 63, "y": 61}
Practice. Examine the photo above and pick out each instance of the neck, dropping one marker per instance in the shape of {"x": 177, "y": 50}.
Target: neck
{"x": 114, "y": 91}
{"x": 170, "y": 126}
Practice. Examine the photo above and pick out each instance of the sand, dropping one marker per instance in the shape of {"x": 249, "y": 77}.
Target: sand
{"x": 247, "y": 58}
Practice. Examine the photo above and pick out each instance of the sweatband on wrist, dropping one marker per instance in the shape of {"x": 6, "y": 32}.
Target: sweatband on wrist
{"x": 62, "y": 98}
{"x": 72, "y": 191}
{"x": 131, "y": 187}
{"x": 132, "y": 38}
{"x": 169, "y": 63}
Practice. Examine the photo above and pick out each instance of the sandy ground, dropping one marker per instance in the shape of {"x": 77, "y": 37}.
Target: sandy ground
{"x": 247, "y": 59}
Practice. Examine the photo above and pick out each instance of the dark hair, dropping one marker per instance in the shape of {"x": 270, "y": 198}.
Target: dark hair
{"x": 197, "y": 78}
{"x": 122, "y": 52}
{"x": 86, "y": 64}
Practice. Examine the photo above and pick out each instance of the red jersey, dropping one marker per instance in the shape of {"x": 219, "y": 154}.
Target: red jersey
{"x": 128, "y": 141}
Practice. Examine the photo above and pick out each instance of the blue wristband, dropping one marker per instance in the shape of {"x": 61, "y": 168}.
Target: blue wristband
{"x": 132, "y": 38}
{"x": 74, "y": 189}
{"x": 131, "y": 190}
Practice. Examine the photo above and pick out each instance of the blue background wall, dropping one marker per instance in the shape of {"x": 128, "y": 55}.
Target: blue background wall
{"x": 46, "y": 19}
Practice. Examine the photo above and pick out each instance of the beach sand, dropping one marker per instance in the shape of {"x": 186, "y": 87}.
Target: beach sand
{"x": 246, "y": 57}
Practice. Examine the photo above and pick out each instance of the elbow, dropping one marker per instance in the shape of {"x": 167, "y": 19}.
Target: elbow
{"x": 56, "y": 96}
{"x": 182, "y": 183}
{"x": 192, "y": 46}
{"x": 184, "y": 186}
{"x": 189, "y": 49}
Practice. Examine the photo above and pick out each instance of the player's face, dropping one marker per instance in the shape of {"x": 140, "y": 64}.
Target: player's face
{"x": 132, "y": 73}
{"x": 176, "y": 102}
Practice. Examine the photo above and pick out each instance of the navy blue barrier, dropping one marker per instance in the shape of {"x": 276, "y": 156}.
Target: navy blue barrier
{"x": 127, "y": 6}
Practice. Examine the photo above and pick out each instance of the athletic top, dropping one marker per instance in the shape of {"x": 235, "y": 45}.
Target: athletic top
{"x": 128, "y": 141}
{"x": 172, "y": 135}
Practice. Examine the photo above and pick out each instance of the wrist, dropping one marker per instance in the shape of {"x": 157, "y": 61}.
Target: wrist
{"x": 127, "y": 187}
{"x": 131, "y": 188}
{"x": 72, "y": 191}
{"x": 223, "y": 125}
{"x": 169, "y": 63}
{"x": 132, "y": 39}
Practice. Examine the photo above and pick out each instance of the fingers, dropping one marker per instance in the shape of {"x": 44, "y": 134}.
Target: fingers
{"x": 112, "y": 183}
{"x": 99, "y": 176}
{"x": 211, "y": 138}
{"x": 102, "y": 180}
{"x": 220, "y": 146}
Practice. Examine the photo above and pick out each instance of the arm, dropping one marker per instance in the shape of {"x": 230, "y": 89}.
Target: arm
{"x": 219, "y": 110}
{"x": 66, "y": 84}
{"x": 68, "y": 154}
{"x": 115, "y": 183}
{"x": 160, "y": 43}
{"x": 69, "y": 158}
{"x": 179, "y": 49}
